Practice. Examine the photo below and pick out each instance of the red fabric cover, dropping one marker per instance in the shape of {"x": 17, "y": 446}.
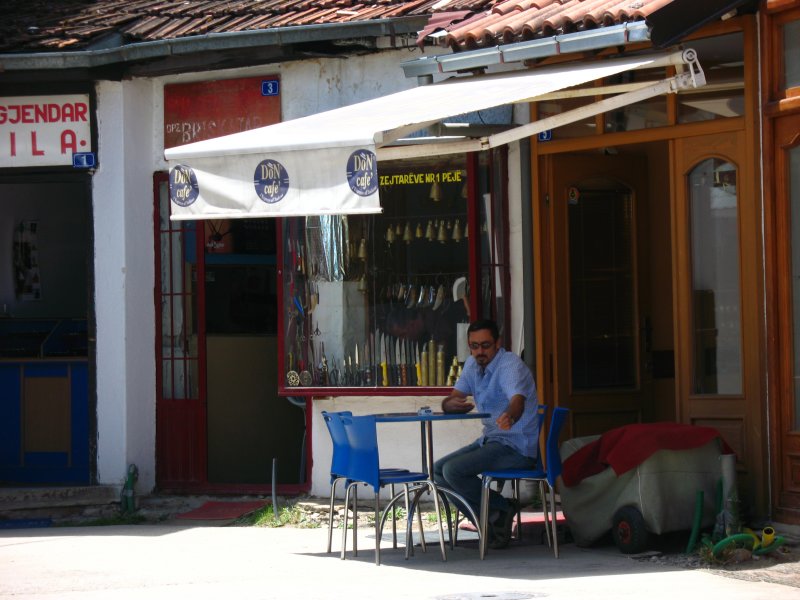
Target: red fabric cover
{"x": 626, "y": 447}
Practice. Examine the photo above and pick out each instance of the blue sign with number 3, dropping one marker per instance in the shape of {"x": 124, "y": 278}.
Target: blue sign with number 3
{"x": 270, "y": 87}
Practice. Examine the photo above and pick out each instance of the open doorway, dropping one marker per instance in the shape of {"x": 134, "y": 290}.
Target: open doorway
{"x": 608, "y": 257}
{"x": 221, "y": 424}
{"x": 47, "y": 415}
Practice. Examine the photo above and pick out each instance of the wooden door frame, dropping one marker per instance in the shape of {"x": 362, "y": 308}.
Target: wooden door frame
{"x": 738, "y": 417}
{"x": 778, "y": 103}
{"x": 785, "y": 502}
{"x": 551, "y": 254}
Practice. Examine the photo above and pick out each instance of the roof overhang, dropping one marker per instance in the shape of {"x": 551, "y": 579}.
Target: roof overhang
{"x": 253, "y": 42}
{"x": 327, "y": 163}
{"x": 674, "y": 21}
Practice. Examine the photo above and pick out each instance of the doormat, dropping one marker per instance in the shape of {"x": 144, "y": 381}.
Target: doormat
{"x": 212, "y": 511}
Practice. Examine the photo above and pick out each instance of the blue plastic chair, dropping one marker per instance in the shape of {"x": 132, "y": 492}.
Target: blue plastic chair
{"x": 541, "y": 409}
{"x": 364, "y": 467}
{"x": 339, "y": 461}
{"x": 548, "y": 476}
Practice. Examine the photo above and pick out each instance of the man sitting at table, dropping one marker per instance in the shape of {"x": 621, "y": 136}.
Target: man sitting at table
{"x": 501, "y": 385}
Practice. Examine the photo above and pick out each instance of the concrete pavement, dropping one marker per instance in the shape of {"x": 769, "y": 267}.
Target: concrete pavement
{"x": 205, "y": 562}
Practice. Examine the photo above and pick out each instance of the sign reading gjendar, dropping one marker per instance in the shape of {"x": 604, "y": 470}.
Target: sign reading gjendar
{"x": 43, "y": 130}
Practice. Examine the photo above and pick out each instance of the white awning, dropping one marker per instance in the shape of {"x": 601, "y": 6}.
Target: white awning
{"x": 327, "y": 163}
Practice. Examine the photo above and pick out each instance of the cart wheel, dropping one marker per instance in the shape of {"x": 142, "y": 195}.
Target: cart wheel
{"x": 629, "y": 531}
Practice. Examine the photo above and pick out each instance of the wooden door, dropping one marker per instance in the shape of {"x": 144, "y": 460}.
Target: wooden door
{"x": 181, "y": 444}
{"x": 596, "y": 308}
{"x": 785, "y": 393}
{"x": 716, "y": 270}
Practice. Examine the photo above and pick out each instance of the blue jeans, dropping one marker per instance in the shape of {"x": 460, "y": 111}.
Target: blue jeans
{"x": 460, "y": 471}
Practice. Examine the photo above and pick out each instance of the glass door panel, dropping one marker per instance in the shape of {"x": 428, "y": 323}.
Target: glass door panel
{"x": 602, "y": 304}
{"x": 716, "y": 301}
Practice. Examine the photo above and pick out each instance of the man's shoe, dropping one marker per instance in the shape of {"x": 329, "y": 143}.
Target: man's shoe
{"x": 502, "y": 528}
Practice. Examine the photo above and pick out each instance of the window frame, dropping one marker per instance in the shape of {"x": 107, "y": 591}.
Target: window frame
{"x": 496, "y": 170}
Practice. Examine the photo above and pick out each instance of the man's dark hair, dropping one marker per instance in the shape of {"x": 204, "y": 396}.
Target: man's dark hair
{"x": 485, "y": 324}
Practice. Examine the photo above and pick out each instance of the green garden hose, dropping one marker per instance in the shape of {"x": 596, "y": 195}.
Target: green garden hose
{"x": 736, "y": 538}
{"x": 778, "y": 541}
{"x": 696, "y": 522}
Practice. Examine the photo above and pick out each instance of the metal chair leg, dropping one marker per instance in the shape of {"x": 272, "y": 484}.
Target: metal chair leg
{"x": 344, "y": 522}
{"x": 515, "y": 494}
{"x": 411, "y": 505}
{"x": 484, "y": 519}
{"x": 330, "y": 513}
{"x": 451, "y": 534}
{"x": 545, "y": 513}
{"x": 377, "y": 528}
{"x": 555, "y": 519}
{"x": 394, "y": 520}
{"x": 438, "y": 510}
{"x": 355, "y": 520}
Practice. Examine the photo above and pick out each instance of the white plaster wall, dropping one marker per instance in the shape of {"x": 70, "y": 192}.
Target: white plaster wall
{"x": 311, "y": 86}
{"x": 123, "y": 229}
{"x": 399, "y": 443}
{"x": 515, "y": 245}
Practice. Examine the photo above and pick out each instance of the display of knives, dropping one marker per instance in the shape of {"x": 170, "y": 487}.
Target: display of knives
{"x": 396, "y": 362}
{"x": 417, "y": 368}
{"x": 357, "y": 371}
{"x": 367, "y": 365}
{"x": 323, "y": 367}
{"x": 403, "y": 366}
{"x": 384, "y": 371}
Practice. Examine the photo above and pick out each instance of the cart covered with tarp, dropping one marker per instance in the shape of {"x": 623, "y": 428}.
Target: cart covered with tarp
{"x": 640, "y": 479}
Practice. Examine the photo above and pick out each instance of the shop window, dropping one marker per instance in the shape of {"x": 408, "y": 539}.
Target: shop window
{"x": 791, "y": 53}
{"x": 722, "y": 59}
{"x": 716, "y": 309}
{"x": 383, "y": 301}
{"x": 557, "y": 106}
{"x": 641, "y": 115}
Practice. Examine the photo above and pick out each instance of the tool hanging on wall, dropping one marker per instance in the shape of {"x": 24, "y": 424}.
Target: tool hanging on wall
{"x": 442, "y": 235}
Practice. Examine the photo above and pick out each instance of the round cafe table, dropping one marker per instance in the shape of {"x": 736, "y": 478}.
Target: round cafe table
{"x": 426, "y": 420}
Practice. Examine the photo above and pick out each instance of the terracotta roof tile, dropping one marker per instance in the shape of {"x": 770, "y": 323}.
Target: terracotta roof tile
{"x": 31, "y": 25}
{"x": 518, "y": 20}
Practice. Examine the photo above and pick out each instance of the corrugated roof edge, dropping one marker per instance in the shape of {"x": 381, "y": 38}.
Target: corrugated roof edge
{"x": 87, "y": 59}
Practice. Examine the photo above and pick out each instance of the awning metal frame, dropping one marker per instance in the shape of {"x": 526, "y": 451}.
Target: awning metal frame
{"x": 327, "y": 163}
{"x": 689, "y": 78}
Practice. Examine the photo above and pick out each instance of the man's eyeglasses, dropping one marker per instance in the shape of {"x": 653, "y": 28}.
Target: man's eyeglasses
{"x": 484, "y": 345}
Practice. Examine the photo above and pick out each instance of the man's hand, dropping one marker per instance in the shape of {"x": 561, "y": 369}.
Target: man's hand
{"x": 513, "y": 412}
{"x": 505, "y": 421}
{"x": 456, "y": 404}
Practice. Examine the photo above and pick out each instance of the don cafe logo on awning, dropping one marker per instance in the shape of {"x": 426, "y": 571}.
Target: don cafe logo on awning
{"x": 271, "y": 180}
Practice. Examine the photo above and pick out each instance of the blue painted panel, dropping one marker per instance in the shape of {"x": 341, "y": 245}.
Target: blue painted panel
{"x": 43, "y": 467}
{"x": 46, "y": 370}
{"x": 44, "y": 475}
{"x": 80, "y": 417}
{"x": 10, "y": 415}
{"x": 46, "y": 459}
